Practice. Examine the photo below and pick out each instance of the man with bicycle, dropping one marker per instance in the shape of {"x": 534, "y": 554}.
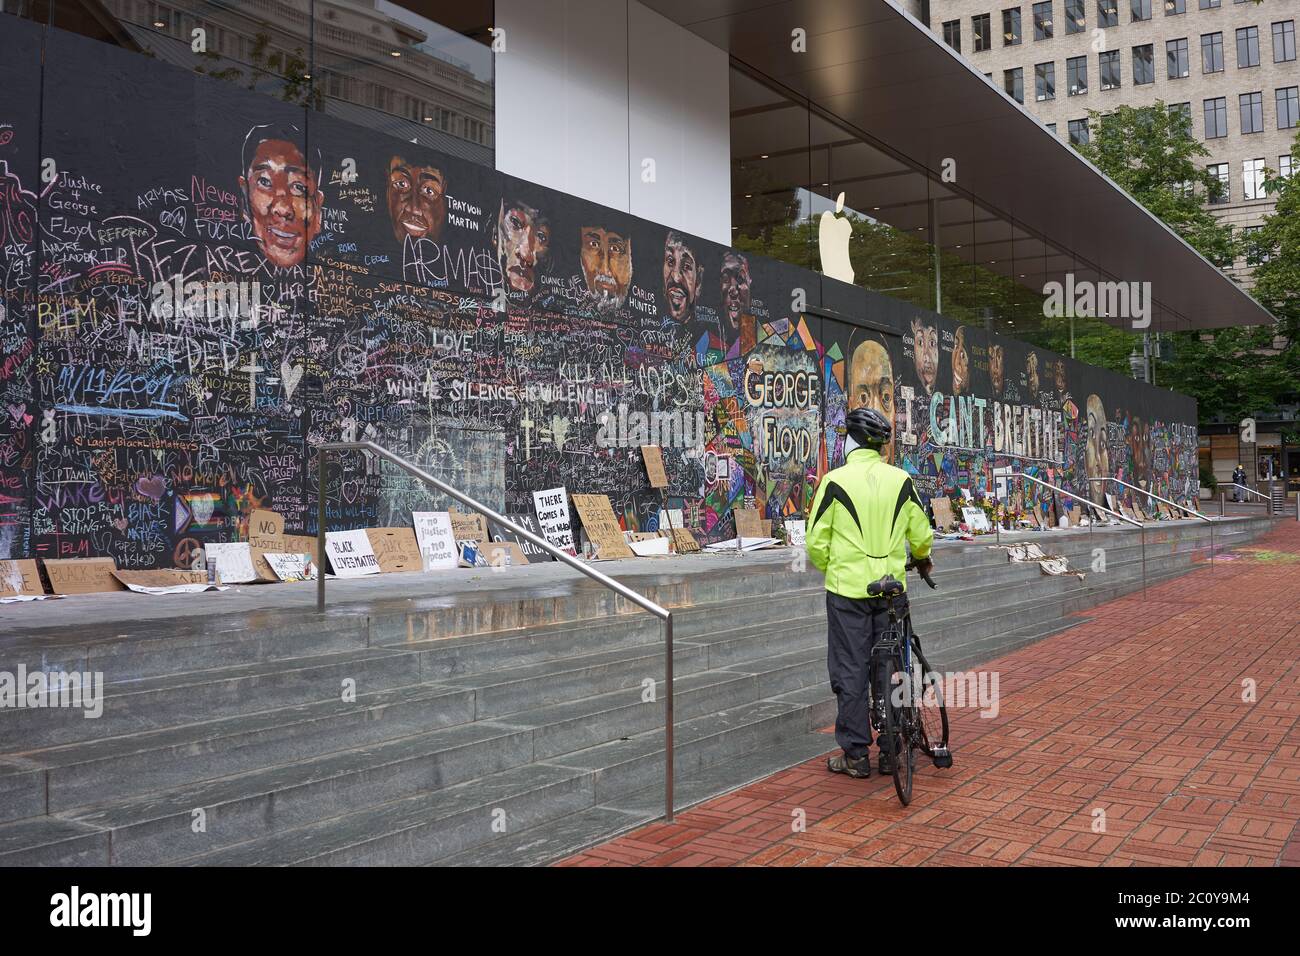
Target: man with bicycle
{"x": 864, "y": 516}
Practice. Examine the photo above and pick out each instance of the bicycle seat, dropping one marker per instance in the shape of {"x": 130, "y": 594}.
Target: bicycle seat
{"x": 888, "y": 586}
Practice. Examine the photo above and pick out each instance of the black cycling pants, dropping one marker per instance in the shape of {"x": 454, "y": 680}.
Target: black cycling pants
{"x": 853, "y": 626}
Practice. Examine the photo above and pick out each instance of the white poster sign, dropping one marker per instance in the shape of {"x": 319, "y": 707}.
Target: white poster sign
{"x": 234, "y": 562}
{"x": 552, "y": 507}
{"x": 291, "y": 567}
{"x": 436, "y": 542}
{"x": 796, "y": 533}
{"x": 350, "y": 553}
{"x": 976, "y": 519}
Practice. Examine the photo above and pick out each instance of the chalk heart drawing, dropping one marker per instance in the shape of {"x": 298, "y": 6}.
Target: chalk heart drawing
{"x": 19, "y": 414}
{"x": 291, "y": 375}
{"x": 173, "y": 219}
{"x": 121, "y": 524}
{"x": 153, "y": 487}
{"x": 202, "y": 508}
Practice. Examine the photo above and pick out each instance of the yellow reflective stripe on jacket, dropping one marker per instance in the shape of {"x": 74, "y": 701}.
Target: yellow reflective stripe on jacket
{"x": 863, "y": 517}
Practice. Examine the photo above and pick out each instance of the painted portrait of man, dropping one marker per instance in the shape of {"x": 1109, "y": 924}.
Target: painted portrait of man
{"x": 1096, "y": 456}
{"x": 925, "y": 353}
{"x": 523, "y": 243}
{"x": 681, "y": 278}
{"x": 1031, "y": 374}
{"x": 417, "y": 199}
{"x": 281, "y": 193}
{"x": 606, "y": 256}
{"x": 737, "y": 302}
{"x": 997, "y": 370}
{"x": 960, "y": 363}
{"x": 1059, "y": 374}
{"x": 871, "y": 385}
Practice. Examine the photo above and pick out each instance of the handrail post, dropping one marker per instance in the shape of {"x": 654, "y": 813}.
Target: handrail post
{"x": 668, "y": 718}
{"x": 1144, "y": 559}
{"x": 320, "y": 531}
{"x": 1223, "y": 498}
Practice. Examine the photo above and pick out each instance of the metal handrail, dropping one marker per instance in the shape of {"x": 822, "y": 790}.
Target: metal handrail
{"x": 1143, "y": 491}
{"x": 1260, "y": 494}
{"x": 1086, "y": 501}
{"x": 602, "y": 579}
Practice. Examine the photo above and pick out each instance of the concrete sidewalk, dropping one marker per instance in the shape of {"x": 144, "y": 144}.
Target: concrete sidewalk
{"x": 1124, "y": 741}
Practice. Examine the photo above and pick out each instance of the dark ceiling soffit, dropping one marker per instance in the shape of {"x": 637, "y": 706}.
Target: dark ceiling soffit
{"x": 1130, "y": 231}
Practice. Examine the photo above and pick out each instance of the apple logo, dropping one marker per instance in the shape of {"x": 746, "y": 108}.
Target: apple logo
{"x": 833, "y": 242}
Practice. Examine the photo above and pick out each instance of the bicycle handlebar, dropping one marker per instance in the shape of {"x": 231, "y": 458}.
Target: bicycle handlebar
{"x": 911, "y": 566}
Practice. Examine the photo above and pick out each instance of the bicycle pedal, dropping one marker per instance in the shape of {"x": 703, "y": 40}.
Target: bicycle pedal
{"x": 942, "y": 757}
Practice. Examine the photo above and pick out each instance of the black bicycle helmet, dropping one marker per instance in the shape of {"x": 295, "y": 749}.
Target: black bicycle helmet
{"x": 868, "y": 427}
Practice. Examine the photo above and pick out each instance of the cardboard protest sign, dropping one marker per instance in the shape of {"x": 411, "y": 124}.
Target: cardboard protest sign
{"x": 684, "y": 542}
{"x": 166, "y": 581}
{"x": 976, "y": 519}
{"x": 552, "y": 508}
{"x": 265, "y": 533}
{"x": 435, "y": 539}
{"x": 291, "y": 567}
{"x": 796, "y": 533}
{"x": 504, "y": 554}
{"x": 299, "y": 544}
{"x": 468, "y": 527}
{"x": 944, "y": 519}
{"x": 748, "y": 523}
{"x": 234, "y": 562}
{"x": 531, "y": 551}
{"x": 350, "y": 553}
{"x": 395, "y": 549}
{"x": 597, "y": 516}
{"x": 647, "y": 549}
{"x": 82, "y": 575}
{"x": 653, "y": 457}
{"x": 20, "y": 578}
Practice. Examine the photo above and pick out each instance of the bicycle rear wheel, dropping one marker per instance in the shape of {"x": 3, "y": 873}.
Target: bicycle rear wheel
{"x": 932, "y": 715}
{"x": 900, "y": 726}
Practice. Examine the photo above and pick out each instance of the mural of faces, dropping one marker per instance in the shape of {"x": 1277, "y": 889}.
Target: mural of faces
{"x": 1139, "y": 443}
{"x": 681, "y": 278}
{"x": 960, "y": 363}
{"x": 523, "y": 244}
{"x": 1031, "y": 374}
{"x": 606, "y": 265}
{"x": 735, "y": 288}
{"x": 1059, "y": 368}
{"x": 871, "y": 385}
{"x": 417, "y": 200}
{"x": 1096, "y": 456}
{"x": 282, "y": 198}
{"x": 925, "y": 352}
{"x": 997, "y": 369}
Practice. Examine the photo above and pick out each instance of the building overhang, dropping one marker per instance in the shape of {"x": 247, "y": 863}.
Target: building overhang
{"x": 871, "y": 65}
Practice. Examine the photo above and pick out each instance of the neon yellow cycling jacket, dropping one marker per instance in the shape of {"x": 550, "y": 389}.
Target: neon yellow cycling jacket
{"x": 862, "y": 515}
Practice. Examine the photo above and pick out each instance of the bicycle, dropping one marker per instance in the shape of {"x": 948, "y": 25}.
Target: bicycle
{"x": 915, "y": 723}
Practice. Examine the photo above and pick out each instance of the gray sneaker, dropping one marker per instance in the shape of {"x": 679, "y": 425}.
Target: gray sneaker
{"x": 842, "y": 763}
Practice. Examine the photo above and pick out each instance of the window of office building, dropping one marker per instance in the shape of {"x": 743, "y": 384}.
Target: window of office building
{"x": 1013, "y": 81}
{"x": 1183, "y": 112}
{"x": 1252, "y": 178}
{"x": 1043, "y": 21}
{"x": 952, "y": 34}
{"x": 1210, "y": 4}
{"x": 1285, "y": 165}
{"x": 1174, "y": 7}
{"x": 1252, "y": 112}
{"x": 1141, "y": 9}
{"x": 1078, "y": 132}
{"x": 1108, "y": 66}
{"x": 1224, "y": 193}
{"x": 1284, "y": 41}
{"x": 1288, "y": 107}
{"x": 983, "y": 32}
{"x": 1144, "y": 65}
{"x": 1076, "y": 20}
{"x": 1076, "y": 75}
{"x": 1011, "y": 27}
{"x": 1107, "y": 13}
{"x": 1178, "y": 60}
{"x": 1045, "y": 81}
{"x": 1216, "y": 118}
{"x": 1247, "y": 47}
{"x": 1212, "y": 53}
{"x": 1052, "y": 127}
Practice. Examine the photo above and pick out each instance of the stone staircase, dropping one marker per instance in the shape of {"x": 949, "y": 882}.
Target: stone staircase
{"x": 509, "y": 726}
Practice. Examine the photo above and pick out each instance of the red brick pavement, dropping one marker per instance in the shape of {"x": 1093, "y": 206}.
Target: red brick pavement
{"x": 1137, "y": 713}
